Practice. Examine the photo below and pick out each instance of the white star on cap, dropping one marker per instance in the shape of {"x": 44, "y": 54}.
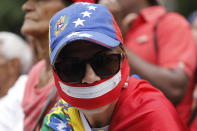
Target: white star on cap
{"x": 92, "y": 7}
{"x": 86, "y": 13}
{"x": 84, "y": 35}
{"x": 72, "y": 34}
{"x": 79, "y": 22}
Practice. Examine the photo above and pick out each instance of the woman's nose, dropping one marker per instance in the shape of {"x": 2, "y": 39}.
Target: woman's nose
{"x": 28, "y": 6}
{"x": 90, "y": 75}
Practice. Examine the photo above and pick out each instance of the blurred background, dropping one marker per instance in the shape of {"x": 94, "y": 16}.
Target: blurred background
{"x": 11, "y": 15}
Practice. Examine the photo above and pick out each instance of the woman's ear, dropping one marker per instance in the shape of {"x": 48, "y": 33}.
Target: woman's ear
{"x": 123, "y": 48}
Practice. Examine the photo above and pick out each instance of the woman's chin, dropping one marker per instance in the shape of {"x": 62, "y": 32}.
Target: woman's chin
{"x": 33, "y": 29}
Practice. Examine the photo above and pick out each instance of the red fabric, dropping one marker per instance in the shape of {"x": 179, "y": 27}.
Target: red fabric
{"x": 141, "y": 107}
{"x": 89, "y": 1}
{"x": 175, "y": 46}
{"x": 99, "y": 101}
{"x": 118, "y": 31}
{"x": 35, "y": 98}
{"x": 193, "y": 127}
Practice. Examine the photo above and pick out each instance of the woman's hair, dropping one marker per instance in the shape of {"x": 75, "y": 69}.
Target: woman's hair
{"x": 96, "y": 1}
{"x": 153, "y": 2}
{"x": 68, "y": 2}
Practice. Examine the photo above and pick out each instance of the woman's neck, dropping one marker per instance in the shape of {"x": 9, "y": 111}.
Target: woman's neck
{"x": 100, "y": 117}
{"x": 41, "y": 50}
{"x": 40, "y": 46}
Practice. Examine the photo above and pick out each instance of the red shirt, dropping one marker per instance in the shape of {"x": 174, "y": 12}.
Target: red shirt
{"x": 176, "y": 48}
{"x": 144, "y": 108}
{"x": 35, "y": 98}
{"x": 140, "y": 107}
{"x": 193, "y": 127}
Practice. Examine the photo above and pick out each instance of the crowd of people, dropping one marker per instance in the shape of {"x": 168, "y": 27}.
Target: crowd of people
{"x": 99, "y": 65}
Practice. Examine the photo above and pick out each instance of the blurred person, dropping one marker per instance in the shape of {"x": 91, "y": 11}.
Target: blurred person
{"x": 91, "y": 74}
{"x": 39, "y": 92}
{"x": 15, "y": 62}
{"x": 12, "y": 60}
{"x": 193, "y": 120}
{"x": 160, "y": 48}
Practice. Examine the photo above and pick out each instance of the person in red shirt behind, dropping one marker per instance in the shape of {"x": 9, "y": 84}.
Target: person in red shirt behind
{"x": 193, "y": 120}
{"x": 39, "y": 94}
{"x": 160, "y": 48}
{"x": 91, "y": 75}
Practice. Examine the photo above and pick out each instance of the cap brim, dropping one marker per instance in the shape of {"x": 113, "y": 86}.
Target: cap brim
{"x": 96, "y": 37}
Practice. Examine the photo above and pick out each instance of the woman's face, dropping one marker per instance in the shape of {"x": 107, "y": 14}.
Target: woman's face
{"x": 38, "y": 15}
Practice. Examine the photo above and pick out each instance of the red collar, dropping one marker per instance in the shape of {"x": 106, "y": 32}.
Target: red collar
{"x": 152, "y": 13}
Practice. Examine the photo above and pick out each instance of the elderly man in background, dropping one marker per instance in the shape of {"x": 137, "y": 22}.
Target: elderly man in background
{"x": 193, "y": 120}
{"x": 15, "y": 61}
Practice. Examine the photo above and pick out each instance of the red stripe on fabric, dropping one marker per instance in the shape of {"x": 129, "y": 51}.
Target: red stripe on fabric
{"x": 103, "y": 44}
{"x": 89, "y": 1}
{"x": 117, "y": 30}
{"x": 99, "y": 101}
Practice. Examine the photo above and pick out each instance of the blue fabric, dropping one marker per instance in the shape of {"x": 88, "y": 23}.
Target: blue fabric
{"x": 82, "y": 21}
{"x": 192, "y": 17}
{"x": 136, "y": 76}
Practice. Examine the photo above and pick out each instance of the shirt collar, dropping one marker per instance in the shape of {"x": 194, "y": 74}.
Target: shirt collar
{"x": 148, "y": 14}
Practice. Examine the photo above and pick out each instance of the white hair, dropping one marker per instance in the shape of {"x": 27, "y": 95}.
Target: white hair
{"x": 13, "y": 46}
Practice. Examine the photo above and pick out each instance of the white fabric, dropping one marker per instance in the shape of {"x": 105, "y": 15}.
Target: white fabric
{"x": 92, "y": 91}
{"x": 87, "y": 126}
{"x": 84, "y": 122}
{"x": 11, "y": 112}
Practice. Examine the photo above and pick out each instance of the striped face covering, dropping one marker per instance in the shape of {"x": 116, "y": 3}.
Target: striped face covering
{"x": 95, "y": 95}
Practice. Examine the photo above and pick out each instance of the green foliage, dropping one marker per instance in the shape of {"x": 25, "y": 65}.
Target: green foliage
{"x": 11, "y": 15}
{"x": 185, "y": 7}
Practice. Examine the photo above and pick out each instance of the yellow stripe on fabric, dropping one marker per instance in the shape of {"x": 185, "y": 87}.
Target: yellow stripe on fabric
{"x": 75, "y": 119}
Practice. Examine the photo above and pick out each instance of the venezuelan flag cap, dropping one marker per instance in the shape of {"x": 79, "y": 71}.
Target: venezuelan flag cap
{"x": 83, "y": 21}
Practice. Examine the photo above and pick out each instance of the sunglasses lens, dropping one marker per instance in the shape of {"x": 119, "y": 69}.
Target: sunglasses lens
{"x": 72, "y": 70}
{"x": 106, "y": 65}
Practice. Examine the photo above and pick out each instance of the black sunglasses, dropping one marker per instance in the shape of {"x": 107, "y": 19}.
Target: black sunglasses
{"x": 72, "y": 69}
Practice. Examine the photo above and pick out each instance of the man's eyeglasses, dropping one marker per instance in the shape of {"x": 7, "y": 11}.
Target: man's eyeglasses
{"x": 72, "y": 69}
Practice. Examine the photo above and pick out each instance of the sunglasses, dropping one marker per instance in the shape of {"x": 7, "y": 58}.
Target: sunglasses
{"x": 72, "y": 69}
